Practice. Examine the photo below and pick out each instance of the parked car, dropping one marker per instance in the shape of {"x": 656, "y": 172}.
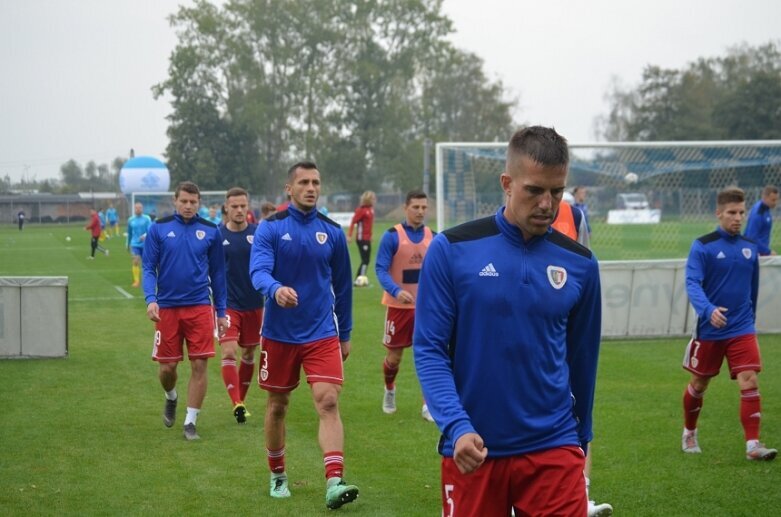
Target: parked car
{"x": 632, "y": 201}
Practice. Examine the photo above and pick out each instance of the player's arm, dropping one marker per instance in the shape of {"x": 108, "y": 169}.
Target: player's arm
{"x": 353, "y": 222}
{"x": 150, "y": 259}
{"x": 584, "y": 329}
{"x": 341, "y": 277}
{"x": 755, "y": 286}
{"x": 389, "y": 244}
{"x": 695, "y": 275}
{"x": 435, "y": 317}
{"x": 261, "y": 262}
{"x": 217, "y": 274}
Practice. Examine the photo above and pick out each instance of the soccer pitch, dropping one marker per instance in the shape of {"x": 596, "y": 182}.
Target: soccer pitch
{"x": 83, "y": 435}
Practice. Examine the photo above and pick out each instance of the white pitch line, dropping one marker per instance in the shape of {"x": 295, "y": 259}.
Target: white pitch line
{"x": 123, "y": 292}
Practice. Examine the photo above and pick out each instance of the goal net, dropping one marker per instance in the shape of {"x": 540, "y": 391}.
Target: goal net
{"x": 645, "y": 200}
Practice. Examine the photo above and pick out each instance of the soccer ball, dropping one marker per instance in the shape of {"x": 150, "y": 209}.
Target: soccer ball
{"x": 631, "y": 178}
{"x": 68, "y": 238}
{"x": 362, "y": 281}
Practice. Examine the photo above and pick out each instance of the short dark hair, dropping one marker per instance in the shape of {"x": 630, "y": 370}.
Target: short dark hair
{"x": 769, "y": 189}
{"x": 730, "y": 195}
{"x": 189, "y": 187}
{"x": 542, "y": 144}
{"x": 236, "y": 191}
{"x": 415, "y": 194}
{"x": 299, "y": 165}
{"x": 267, "y": 208}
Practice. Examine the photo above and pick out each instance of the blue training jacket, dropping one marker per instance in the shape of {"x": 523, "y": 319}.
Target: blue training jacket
{"x": 723, "y": 271}
{"x": 182, "y": 262}
{"x": 759, "y": 226}
{"x": 308, "y": 252}
{"x": 237, "y": 247}
{"x": 507, "y": 337}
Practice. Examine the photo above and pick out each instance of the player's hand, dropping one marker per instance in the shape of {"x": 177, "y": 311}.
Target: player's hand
{"x": 469, "y": 453}
{"x": 405, "y": 297}
{"x": 153, "y": 311}
{"x": 717, "y": 317}
{"x": 346, "y": 346}
{"x": 286, "y": 297}
{"x": 222, "y": 326}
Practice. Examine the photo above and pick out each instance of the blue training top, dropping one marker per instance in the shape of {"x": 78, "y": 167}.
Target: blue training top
{"x": 237, "y": 247}
{"x": 759, "y": 226}
{"x": 507, "y": 337}
{"x": 183, "y": 262}
{"x": 137, "y": 227}
{"x": 723, "y": 271}
{"x": 308, "y": 252}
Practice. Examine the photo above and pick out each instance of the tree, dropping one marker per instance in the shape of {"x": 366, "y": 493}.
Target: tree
{"x": 737, "y": 96}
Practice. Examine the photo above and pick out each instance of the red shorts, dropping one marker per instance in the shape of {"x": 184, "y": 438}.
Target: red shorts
{"x": 399, "y": 327}
{"x": 540, "y": 483}
{"x": 704, "y": 357}
{"x": 177, "y": 324}
{"x": 243, "y": 327}
{"x": 280, "y": 363}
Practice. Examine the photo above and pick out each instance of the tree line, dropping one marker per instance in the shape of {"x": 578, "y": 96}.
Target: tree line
{"x": 356, "y": 86}
{"x": 732, "y": 97}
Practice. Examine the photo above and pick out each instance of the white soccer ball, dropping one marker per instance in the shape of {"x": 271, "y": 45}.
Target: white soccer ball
{"x": 68, "y": 238}
{"x": 362, "y": 281}
{"x": 631, "y": 178}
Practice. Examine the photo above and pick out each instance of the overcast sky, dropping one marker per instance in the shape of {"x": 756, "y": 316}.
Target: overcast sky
{"x": 75, "y": 75}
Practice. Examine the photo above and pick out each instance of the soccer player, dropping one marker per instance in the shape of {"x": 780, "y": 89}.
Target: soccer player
{"x": 112, "y": 219}
{"x": 363, "y": 220}
{"x": 399, "y": 258}
{"x": 301, "y": 264}
{"x": 183, "y": 264}
{"x": 245, "y": 304}
{"x": 137, "y": 226}
{"x": 579, "y": 195}
{"x": 95, "y": 230}
{"x": 507, "y": 333}
{"x": 20, "y": 219}
{"x": 215, "y": 217}
{"x": 103, "y": 233}
{"x": 760, "y": 220}
{"x": 722, "y": 280}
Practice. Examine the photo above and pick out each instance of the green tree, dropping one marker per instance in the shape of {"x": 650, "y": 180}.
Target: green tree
{"x": 737, "y": 96}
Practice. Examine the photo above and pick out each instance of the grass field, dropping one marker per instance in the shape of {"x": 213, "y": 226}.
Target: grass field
{"x": 83, "y": 435}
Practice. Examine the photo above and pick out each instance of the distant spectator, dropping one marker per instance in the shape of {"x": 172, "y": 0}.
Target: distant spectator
{"x": 20, "y": 219}
{"x": 760, "y": 220}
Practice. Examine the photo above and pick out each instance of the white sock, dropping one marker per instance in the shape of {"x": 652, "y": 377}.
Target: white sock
{"x": 192, "y": 415}
{"x": 171, "y": 395}
{"x": 750, "y": 444}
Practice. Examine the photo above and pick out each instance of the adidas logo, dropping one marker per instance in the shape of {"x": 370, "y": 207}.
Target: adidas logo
{"x": 721, "y": 255}
{"x": 287, "y": 237}
{"x": 171, "y": 234}
{"x": 416, "y": 258}
{"x": 225, "y": 242}
{"x": 489, "y": 270}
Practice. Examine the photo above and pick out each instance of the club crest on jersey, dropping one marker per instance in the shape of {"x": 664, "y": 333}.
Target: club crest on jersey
{"x": 746, "y": 252}
{"x": 200, "y": 234}
{"x": 250, "y": 238}
{"x": 557, "y": 276}
{"x": 321, "y": 237}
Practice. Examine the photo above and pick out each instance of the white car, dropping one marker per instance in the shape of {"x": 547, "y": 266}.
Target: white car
{"x": 632, "y": 201}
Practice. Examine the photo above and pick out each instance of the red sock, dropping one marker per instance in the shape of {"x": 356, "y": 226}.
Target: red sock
{"x": 276, "y": 460}
{"x": 750, "y": 415}
{"x": 390, "y": 374}
{"x": 231, "y": 379}
{"x": 692, "y": 403}
{"x": 334, "y": 464}
{"x": 245, "y": 376}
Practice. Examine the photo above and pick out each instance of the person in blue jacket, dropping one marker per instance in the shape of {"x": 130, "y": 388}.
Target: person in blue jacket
{"x": 184, "y": 271}
{"x": 722, "y": 281}
{"x": 760, "y": 220}
{"x": 507, "y": 334}
{"x": 300, "y": 263}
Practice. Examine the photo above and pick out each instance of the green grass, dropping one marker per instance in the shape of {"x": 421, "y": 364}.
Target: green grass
{"x": 83, "y": 435}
